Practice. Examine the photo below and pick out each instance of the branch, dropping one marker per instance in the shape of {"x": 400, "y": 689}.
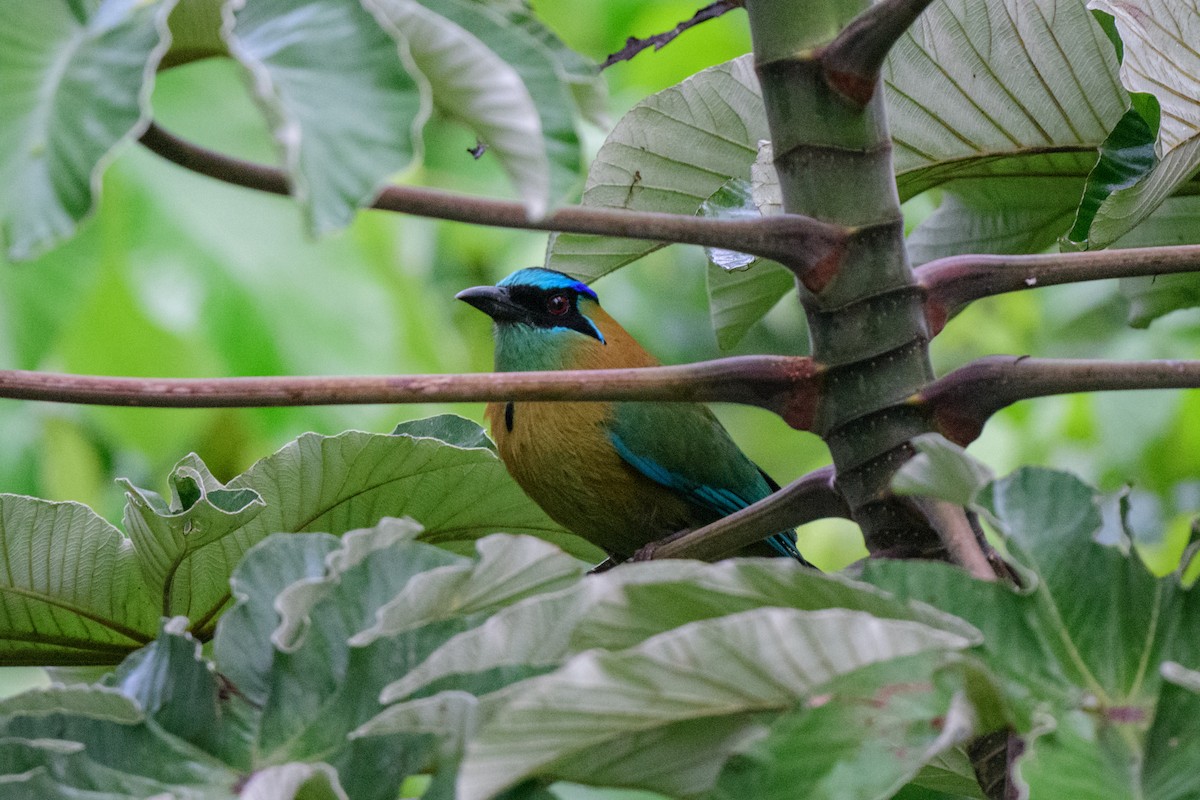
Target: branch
{"x": 853, "y": 60}
{"x": 797, "y": 241}
{"x": 962, "y": 401}
{"x": 633, "y": 45}
{"x": 811, "y": 497}
{"x": 953, "y": 283}
{"x": 955, "y": 530}
{"x": 784, "y": 384}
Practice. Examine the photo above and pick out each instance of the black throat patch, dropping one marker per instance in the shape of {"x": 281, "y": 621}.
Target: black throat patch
{"x": 508, "y": 415}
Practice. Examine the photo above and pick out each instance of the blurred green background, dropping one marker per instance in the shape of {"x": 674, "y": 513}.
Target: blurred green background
{"x": 178, "y": 275}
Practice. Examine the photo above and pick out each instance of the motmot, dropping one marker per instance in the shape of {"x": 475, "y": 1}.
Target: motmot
{"x": 619, "y": 474}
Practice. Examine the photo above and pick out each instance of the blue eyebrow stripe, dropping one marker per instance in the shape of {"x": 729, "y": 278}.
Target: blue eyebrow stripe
{"x": 548, "y": 279}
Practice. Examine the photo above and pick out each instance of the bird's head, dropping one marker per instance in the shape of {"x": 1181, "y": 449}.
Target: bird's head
{"x": 542, "y": 317}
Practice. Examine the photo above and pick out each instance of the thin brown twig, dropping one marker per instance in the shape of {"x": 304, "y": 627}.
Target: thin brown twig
{"x": 658, "y": 41}
{"x": 953, "y": 283}
{"x": 779, "y": 383}
{"x": 797, "y": 241}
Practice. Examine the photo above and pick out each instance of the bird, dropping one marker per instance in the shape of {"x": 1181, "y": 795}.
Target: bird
{"x": 619, "y": 474}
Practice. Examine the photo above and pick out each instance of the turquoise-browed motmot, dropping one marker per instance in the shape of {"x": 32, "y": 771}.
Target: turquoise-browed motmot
{"x": 619, "y": 474}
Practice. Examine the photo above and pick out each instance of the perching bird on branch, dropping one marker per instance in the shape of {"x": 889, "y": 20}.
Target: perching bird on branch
{"x": 619, "y": 474}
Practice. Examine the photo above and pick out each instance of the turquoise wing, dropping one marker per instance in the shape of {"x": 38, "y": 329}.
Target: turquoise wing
{"x": 683, "y": 447}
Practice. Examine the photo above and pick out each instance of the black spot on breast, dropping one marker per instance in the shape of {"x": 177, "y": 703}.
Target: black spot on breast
{"x": 508, "y": 415}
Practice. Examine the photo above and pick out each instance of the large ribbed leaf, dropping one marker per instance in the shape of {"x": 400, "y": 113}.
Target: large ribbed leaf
{"x": 338, "y": 483}
{"x": 1019, "y": 94}
{"x": 70, "y": 587}
{"x": 505, "y": 76}
{"x": 345, "y": 110}
{"x": 1159, "y": 38}
{"x": 76, "y": 591}
{"x": 75, "y": 80}
{"x": 1083, "y": 649}
{"x": 671, "y": 152}
{"x": 667, "y": 711}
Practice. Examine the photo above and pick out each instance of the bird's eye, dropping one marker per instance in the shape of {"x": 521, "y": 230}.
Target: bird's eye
{"x": 558, "y": 304}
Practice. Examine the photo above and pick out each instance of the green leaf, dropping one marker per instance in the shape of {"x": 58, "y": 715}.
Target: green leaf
{"x": 741, "y": 288}
{"x": 1080, "y": 650}
{"x": 98, "y": 702}
{"x": 509, "y": 569}
{"x": 300, "y": 781}
{"x": 668, "y": 711}
{"x": 671, "y": 152}
{"x": 149, "y": 742}
{"x": 865, "y": 735}
{"x": 1005, "y": 105}
{"x": 201, "y": 512}
{"x": 338, "y": 483}
{"x": 449, "y": 428}
{"x": 1171, "y": 743}
{"x": 74, "y": 83}
{"x": 1125, "y": 157}
{"x": 980, "y": 89}
{"x": 621, "y": 608}
{"x": 1159, "y": 59}
{"x": 1172, "y": 223}
{"x": 943, "y": 470}
{"x": 996, "y": 215}
{"x": 496, "y": 74}
{"x": 345, "y": 111}
{"x": 71, "y": 591}
{"x": 342, "y": 631}
{"x": 195, "y": 27}
{"x": 242, "y": 644}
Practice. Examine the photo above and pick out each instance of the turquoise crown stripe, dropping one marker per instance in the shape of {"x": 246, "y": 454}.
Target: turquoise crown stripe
{"x": 540, "y": 278}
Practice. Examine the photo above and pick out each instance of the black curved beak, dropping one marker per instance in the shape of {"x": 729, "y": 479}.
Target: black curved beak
{"x": 493, "y": 301}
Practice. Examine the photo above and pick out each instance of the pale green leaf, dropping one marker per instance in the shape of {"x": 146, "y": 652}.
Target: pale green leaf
{"x": 943, "y": 470}
{"x": 671, "y": 152}
{"x": 338, "y": 483}
{"x": 869, "y": 733}
{"x": 497, "y": 78}
{"x": 242, "y": 644}
{"x": 345, "y": 111}
{"x": 620, "y": 608}
{"x": 100, "y": 702}
{"x": 1014, "y": 215}
{"x": 309, "y": 781}
{"x": 201, "y": 511}
{"x": 667, "y": 711}
{"x": 979, "y": 89}
{"x": 741, "y": 287}
{"x": 509, "y": 569}
{"x": 1161, "y": 59}
{"x": 70, "y": 588}
{"x": 448, "y": 428}
{"x": 75, "y": 82}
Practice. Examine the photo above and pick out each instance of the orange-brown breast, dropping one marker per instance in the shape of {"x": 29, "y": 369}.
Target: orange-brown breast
{"x": 562, "y": 456}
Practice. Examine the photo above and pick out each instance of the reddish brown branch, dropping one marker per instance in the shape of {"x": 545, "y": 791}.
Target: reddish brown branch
{"x": 962, "y": 401}
{"x": 797, "y": 241}
{"x": 658, "y": 41}
{"x": 853, "y": 60}
{"x": 811, "y": 497}
{"x": 953, "y": 283}
{"x": 786, "y": 385}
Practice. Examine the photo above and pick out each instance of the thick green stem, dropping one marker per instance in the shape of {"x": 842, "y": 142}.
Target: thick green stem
{"x": 865, "y": 314}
